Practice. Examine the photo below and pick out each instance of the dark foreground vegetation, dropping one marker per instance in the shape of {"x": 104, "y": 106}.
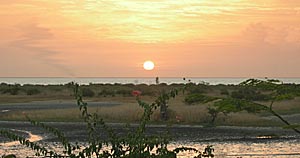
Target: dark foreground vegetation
{"x": 250, "y": 97}
{"x": 135, "y": 144}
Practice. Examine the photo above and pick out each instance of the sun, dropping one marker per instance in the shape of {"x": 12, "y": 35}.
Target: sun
{"x": 148, "y": 65}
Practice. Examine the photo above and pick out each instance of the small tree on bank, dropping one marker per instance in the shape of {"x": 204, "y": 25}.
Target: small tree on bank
{"x": 246, "y": 100}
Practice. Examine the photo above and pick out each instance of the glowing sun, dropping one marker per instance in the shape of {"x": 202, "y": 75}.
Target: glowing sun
{"x": 148, "y": 65}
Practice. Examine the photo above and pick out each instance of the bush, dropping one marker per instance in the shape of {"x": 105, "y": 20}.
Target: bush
{"x": 86, "y": 92}
{"x": 11, "y": 89}
{"x": 197, "y": 98}
{"x": 200, "y": 88}
{"x": 224, "y": 91}
{"x": 124, "y": 92}
{"x": 149, "y": 90}
{"x": 249, "y": 94}
{"x": 32, "y": 91}
{"x": 106, "y": 92}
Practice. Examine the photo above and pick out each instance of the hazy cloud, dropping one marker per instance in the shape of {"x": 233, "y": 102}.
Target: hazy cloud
{"x": 34, "y": 39}
{"x": 259, "y": 33}
{"x": 113, "y": 38}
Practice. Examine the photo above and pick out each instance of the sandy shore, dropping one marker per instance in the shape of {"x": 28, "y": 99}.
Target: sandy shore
{"x": 31, "y": 138}
{"x": 14, "y": 147}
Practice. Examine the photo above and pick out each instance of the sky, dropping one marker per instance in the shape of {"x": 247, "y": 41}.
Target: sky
{"x": 184, "y": 38}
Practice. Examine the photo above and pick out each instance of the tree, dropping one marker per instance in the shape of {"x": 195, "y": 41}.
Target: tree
{"x": 276, "y": 91}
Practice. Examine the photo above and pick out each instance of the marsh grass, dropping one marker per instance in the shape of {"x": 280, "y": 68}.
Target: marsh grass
{"x": 130, "y": 112}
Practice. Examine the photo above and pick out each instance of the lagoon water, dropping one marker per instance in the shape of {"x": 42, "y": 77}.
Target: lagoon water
{"x": 288, "y": 149}
{"x": 228, "y": 142}
{"x": 130, "y": 80}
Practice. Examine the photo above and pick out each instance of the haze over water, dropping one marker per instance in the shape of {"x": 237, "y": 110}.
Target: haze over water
{"x": 132, "y": 80}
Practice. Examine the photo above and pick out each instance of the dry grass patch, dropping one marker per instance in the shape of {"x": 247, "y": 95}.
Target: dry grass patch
{"x": 244, "y": 119}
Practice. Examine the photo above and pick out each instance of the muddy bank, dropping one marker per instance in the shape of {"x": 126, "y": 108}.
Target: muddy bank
{"x": 77, "y": 132}
{"x": 246, "y": 142}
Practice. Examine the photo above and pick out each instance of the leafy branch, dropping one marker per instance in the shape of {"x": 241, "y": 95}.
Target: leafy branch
{"x": 135, "y": 144}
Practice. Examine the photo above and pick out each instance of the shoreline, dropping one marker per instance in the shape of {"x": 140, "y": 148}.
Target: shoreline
{"x": 228, "y": 141}
{"x": 195, "y": 133}
{"x": 31, "y": 137}
{"x": 134, "y": 80}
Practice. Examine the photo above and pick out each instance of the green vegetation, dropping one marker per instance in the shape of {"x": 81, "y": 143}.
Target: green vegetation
{"x": 135, "y": 144}
{"x": 248, "y": 93}
{"x": 10, "y": 89}
{"x": 197, "y": 98}
{"x": 199, "y": 104}
{"x": 86, "y": 92}
{"x": 32, "y": 91}
{"x": 248, "y": 100}
{"x": 246, "y": 97}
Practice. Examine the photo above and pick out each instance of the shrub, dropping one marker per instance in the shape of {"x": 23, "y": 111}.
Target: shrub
{"x": 224, "y": 91}
{"x": 86, "y": 92}
{"x": 11, "y": 89}
{"x": 107, "y": 92}
{"x": 249, "y": 94}
{"x": 149, "y": 90}
{"x": 57, "y": 88}
{"x": 200, "y": 88}
{"x": 197, "y": 98}
{"x": 32, "y": 91}
{"x": 124, "y": 92}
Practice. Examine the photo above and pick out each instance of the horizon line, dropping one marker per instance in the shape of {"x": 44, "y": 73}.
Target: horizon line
{"x": 147, "y": 77}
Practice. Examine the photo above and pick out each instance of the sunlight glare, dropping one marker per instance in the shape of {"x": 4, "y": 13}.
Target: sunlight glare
{"x": 148, "y": 65}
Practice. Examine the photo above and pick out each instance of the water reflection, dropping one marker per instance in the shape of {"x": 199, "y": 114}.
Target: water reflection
{"x": 235, "y": 149}
{"x": 262, "y": 149}
{"x": 231, "y": 142}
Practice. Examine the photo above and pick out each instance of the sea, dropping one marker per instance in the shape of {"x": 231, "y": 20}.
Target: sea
{"x": 131, "y": 80}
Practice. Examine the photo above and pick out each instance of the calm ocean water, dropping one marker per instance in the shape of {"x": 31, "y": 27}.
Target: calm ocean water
{"x": 137, "y": 80}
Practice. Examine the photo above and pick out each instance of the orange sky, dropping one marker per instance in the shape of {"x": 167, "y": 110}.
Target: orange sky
{"x": 185, "y": 38}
